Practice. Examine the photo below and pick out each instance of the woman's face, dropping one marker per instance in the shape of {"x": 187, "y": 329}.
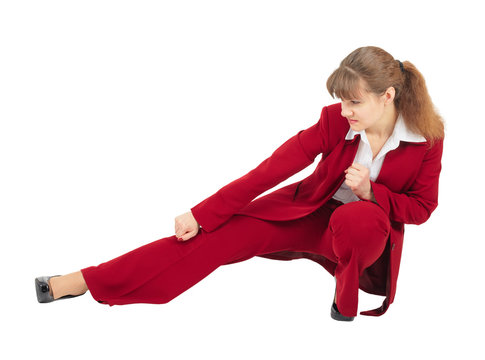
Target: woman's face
{"x": 367, "y": 110}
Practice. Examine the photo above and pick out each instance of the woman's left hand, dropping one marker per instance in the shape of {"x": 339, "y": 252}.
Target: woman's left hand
{"x": 357, "y": 179}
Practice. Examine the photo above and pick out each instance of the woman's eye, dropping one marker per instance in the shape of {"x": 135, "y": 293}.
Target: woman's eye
{"x": 355, "y": 102}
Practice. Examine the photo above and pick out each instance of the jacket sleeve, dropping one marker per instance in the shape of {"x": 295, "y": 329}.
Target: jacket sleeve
{"x": 416, "y": 205}
{"x": 292, "y": 156}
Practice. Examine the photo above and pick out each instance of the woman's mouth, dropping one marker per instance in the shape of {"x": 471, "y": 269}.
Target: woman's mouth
{"x": 353, "y": 121}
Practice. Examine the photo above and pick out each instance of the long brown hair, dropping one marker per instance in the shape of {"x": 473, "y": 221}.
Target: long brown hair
{"x": 379, "y": 71}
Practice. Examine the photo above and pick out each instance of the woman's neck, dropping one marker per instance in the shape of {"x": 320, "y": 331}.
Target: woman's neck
{"x": 384, "y": 127}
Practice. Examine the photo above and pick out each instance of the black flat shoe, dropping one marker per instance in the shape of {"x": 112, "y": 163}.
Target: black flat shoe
{"x": 336, "y": 315}
{"x": 43, "y": 290}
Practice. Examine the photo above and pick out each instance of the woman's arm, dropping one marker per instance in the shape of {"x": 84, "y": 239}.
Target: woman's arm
{"x": 292, "y": 156}
{"x": 416, "y": 205}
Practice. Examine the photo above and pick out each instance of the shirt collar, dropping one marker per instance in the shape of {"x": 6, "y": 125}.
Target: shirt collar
{"x": 400, "y": 133}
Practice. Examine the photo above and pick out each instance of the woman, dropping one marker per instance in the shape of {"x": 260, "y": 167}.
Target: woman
{"x": 381, "y": 159}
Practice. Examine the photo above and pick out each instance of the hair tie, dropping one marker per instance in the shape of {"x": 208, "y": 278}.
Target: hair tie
{"x": 401, "y": 66}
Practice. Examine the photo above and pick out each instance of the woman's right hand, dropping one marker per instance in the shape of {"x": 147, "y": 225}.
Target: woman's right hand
{"x": 186, "y": 226}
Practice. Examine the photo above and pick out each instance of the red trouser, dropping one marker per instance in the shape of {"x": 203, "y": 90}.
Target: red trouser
{"x": 353, "y": 235}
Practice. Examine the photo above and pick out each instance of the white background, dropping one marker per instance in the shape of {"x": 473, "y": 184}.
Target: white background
{"x": 117, "y": 116}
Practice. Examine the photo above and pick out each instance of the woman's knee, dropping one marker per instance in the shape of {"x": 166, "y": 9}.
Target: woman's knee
{"x": 360, "y": 224}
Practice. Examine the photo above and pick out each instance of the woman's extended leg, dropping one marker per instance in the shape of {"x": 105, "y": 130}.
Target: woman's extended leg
{"x": 161, "y": 270}
{"x": 353, "y": 236}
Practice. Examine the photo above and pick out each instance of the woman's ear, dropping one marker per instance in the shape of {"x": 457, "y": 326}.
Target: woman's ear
{"x": 389, "y": 95}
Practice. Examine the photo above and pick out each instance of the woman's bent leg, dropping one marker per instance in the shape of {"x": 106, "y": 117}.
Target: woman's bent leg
{"x": 360, "y": 231}
{"x": 161, "y": 270}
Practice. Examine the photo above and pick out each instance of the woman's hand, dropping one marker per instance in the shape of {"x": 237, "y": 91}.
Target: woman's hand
{"x": 357, "y": 179}
{"x": 186, "y": 226}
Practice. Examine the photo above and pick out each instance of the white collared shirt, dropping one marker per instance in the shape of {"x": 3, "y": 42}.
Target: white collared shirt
{"x": 364, "y": 154}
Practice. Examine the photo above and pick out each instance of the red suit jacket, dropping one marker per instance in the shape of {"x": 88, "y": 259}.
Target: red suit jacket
{"x": 406, "y": 188}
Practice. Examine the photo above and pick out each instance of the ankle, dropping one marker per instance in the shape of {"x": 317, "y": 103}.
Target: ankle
{"x": 70, "y": 284}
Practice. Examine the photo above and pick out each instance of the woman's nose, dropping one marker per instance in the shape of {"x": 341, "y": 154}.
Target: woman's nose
{"x": 346, "y": 112}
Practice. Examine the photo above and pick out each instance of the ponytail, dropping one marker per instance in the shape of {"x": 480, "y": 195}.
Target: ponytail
{"x": 416, "y": 107}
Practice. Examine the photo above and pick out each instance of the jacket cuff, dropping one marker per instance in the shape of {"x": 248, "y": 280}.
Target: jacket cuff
{"x": 209, "y": 220}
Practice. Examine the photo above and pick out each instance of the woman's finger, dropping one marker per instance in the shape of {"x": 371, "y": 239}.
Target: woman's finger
{"x": 181, "y": 232}
{"x": 353, "y": 177}
{"x": 358, "y": 166}
{"x": 352, "y": 171}
{"x": 188, "y": 236}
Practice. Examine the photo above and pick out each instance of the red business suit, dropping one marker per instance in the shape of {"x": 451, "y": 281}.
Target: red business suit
{"x": 406, "y": 190}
